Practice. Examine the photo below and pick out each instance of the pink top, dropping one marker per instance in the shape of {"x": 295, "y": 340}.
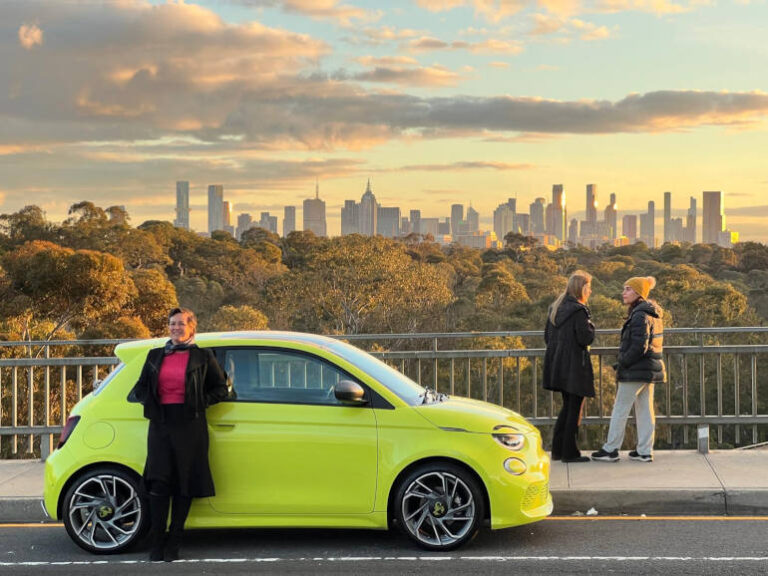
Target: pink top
{"x": 170, "y": 381}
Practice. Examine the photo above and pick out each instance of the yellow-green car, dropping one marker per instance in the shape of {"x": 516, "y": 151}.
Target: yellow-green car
{"x": 315, "y": 433}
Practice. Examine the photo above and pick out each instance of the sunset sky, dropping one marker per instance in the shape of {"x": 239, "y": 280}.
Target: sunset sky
{"x": 436, "y": 101}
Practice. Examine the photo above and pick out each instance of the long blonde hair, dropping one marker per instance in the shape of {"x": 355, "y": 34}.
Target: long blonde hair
{"x": 574, "y": 288}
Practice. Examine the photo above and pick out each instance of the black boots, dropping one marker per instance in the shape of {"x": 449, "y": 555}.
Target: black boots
{"x": 158, "y": 519}
{"x": 179, "y": 511}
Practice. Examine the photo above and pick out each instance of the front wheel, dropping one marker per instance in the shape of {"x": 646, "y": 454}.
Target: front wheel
{"x": 439, "y": 506}
{"x": 103, "y": 511}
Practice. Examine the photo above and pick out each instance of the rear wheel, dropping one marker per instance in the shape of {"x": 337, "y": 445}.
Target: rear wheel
{"x": 103, "y": 511}
{"x": 439, "y": 506}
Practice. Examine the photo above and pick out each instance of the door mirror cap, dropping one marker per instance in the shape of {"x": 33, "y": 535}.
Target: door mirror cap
{"x": 349, "y": 392}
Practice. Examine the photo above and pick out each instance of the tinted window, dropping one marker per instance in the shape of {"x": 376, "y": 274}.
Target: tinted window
{"x": 268, "y": 375}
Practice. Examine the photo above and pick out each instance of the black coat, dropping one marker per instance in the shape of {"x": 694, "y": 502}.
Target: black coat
{"x": 640, "y": 352}
{"x": 205, "y": 384}
{"x": 567, "y": 365}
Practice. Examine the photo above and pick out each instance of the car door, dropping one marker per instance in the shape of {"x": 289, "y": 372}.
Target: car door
{"x": 283, "y": 443}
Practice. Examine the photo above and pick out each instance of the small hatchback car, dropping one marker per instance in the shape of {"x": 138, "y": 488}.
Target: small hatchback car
{"x": 315, "y": 433}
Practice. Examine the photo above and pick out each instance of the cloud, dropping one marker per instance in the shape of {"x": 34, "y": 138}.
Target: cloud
{"x": 490, "y": 46}
{"x": 317, "y": 9}
{"x": 420, "y": 76}
{"x": 548, "y": 25}
{"x": 30, "y": 36}
{"x": 497, "y": 64}
{"x": 389, "y": 34}
{"x": 760, "y": 211}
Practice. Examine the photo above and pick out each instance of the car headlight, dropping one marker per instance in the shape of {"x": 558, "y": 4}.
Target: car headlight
{"x": 510, "y": 441}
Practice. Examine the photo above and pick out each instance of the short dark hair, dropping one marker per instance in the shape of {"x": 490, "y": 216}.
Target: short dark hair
{"x": 191, "y": 318}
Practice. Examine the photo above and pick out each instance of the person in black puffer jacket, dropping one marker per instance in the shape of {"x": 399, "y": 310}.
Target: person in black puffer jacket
{"x": 567, "y": 365}
{"x": 640, "y": 365}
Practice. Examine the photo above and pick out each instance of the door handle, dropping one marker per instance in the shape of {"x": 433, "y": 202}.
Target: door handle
{"x": 223, "y": 426}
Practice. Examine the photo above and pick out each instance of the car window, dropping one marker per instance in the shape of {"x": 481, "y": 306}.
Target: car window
{"x": 280, "y": 376}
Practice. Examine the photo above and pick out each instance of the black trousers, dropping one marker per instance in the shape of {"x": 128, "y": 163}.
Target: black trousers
{"x": 566, "y": 427}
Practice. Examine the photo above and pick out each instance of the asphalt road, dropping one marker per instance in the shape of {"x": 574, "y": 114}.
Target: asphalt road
{"x": 695, "y": 546}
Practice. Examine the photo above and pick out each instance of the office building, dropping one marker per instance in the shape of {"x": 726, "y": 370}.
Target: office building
{"x": 289, "y": 220}
{"x": 388, "y": 222}
{"x": 244, "y": 222}
{"x": 473, "y": 221}
{"x": 350, "y": 218}
{"x": 457, "y": 219}
{"x": 182, "y": 205}
{"x": 505, "y": 218}
{"x": 629, "y": 227}
{"x": 713, "y": 217}
{"x": 537, "y": 212}
{"x": 314, "y": 214}
{"x": 557, "y": 213}
{"x": 611, "y": 218}
{"x": 215, "y": 207}
{"x": 369, "y": 209}
{"x": 268, "y": 222}
{"x": 648, "y": 226}
{"x": 668, "y": 235}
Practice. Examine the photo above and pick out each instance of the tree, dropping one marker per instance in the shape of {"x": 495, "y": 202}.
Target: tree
{"x": 155, "y": 297}
{"x": 229, "y": 318}
{"x": 27, "y": 224}
{"x": 68, "y": 287}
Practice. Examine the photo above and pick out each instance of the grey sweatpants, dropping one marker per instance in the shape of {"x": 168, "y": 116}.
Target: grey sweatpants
{"x": 641, "y": 395}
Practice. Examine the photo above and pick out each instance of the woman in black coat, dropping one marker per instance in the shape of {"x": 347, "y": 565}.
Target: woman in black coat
{"x": 177, "y": 383}
{"x": 568, "y": 334}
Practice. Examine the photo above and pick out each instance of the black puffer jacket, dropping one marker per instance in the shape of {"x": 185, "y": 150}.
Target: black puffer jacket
{"x": 205, "y": 384}
{"x": 640, "y": 351}
{"x": 567, "y": 365}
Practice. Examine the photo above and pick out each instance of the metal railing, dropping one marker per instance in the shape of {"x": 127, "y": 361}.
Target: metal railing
{"x": 710, "y": 383}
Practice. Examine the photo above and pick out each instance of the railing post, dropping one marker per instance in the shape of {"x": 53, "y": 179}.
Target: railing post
{"x": 703, "y": 438}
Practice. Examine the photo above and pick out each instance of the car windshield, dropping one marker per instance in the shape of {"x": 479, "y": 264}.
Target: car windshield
{"x": 405, "y": 388}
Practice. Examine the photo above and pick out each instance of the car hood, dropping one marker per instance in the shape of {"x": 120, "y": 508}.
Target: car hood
{"x": 458, "y": 413}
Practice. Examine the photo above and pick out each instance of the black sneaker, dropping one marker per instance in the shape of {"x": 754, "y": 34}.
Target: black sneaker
{"x": 604, "y": 456}
{"x": 634, "y": 455}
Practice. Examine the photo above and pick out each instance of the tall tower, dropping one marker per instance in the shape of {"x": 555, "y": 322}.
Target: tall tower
{"x": 592, "y": 205}
{"x": 215, "y": 207}
{"x": 369, "y": 212}
{"x": 559, "y": 213}
{"x": 690, "y": 222}
{"x": 713, "y": 217}
{"x": 648, "y": 225}
{"x": 612, "y": 217}
{"x": 289, "y": 220}
{"x": 536, "y": 209}
{"x": 314, "y": 213}
{"x": 457, "y": 217}
{"x": 668, "y": 217}
{"x": 473, "y": 221}
{"x": 182, "y": 205}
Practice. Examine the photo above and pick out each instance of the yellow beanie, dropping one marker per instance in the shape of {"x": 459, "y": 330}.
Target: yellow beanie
{"x": 642, "y": 285}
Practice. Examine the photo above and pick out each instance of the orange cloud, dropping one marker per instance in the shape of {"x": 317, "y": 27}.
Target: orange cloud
{"x": 30, "y": 36}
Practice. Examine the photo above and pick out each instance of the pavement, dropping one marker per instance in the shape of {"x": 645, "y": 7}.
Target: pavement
{"x": 676, "y": 483}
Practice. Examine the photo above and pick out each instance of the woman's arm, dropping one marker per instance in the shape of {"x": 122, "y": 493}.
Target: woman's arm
{"x": 639, "y": 336}
{"x": 584, "y": 328}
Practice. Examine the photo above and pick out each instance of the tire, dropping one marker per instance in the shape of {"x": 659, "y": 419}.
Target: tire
{"x": 104, "y": 512}
{"x": 440, "y": 506}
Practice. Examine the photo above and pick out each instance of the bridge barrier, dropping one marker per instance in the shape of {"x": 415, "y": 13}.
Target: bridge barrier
{"x": 713, "y": 385}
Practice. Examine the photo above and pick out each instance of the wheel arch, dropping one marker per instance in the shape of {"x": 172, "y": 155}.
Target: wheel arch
{"x": 435, "y": 460}
{"x": 84, "y": 470}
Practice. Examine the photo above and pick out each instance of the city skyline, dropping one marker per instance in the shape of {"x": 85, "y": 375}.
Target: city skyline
{"x": 551, "y": 221}
{"x": 438, "y": 102}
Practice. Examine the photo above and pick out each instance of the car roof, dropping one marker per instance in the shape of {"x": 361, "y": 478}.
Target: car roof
{"x": 128, "y": 350}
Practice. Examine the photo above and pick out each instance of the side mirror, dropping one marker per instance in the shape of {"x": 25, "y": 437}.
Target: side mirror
{"x": 349, "y": 392}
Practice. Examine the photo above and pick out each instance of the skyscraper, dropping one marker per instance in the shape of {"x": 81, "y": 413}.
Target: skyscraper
{"x": 713, "y": 217}
{"x": 559, "y": 213}
{"x": 215, "y": 207}
{"x": 289, "y": 220}
{"x": 416, "y": 221}
{"x": 368, "y": 212}
{"x": 350, "y": 218}
{"x": 244, "y": 222}
{"x": 690, "y": 222}
{"x": 505, "y": 218}
{"x": 388, "y": 221}
{"x": 648, "y": 225}
{"x": 314, "y": 214}
{"x": 457, "y": 218}
{"x": 612, "y": 217}
{"x": 668, "y": 218}
{"x": 592, "y": 207}
{"x": 536, "y": 210}
{"x": 473, "y": 220}
{"x": 629, "y": 227}
{"x": 268, "y": 222}
{"x": 182, "y": 205}
{"x": 227, "y": 216}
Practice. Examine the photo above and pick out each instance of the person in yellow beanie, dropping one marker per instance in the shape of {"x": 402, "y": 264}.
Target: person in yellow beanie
{"x": 640, "y": 365}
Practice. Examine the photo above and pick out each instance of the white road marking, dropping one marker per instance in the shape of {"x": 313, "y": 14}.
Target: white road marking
{"x": 409, "y": 559}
